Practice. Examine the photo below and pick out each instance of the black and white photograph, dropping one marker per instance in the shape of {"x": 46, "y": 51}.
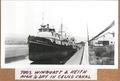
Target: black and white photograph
{"x": 59, "y": 33}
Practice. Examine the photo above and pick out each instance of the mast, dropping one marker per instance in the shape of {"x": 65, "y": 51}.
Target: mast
{"x": 42, "y": 18}
{"x": 61, "y": 29}
{"x": 42, "y": 25}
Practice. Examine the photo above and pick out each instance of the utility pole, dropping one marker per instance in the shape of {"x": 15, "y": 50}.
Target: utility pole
{"x": 87, "y": 35}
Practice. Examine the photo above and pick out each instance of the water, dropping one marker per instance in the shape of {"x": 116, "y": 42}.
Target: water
{"x": 18, "y": 53}
{"x": 16, "y": 50}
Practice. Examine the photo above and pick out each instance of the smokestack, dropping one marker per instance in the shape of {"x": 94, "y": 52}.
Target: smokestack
{"x": 47, "y": 25}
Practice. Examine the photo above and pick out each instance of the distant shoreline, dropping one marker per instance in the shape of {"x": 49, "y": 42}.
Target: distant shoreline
{"x": 15, "y": 43}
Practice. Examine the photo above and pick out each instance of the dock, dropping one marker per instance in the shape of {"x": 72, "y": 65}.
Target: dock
{"x": 81, "y": 57}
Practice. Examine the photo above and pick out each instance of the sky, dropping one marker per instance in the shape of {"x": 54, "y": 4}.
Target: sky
{"x": 23, "y": 18}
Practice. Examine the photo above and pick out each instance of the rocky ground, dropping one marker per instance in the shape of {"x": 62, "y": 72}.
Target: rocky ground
{"x": 101, "y": 55}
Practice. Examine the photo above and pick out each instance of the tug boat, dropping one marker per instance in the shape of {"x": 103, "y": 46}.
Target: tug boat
{"x": 49, "y": 45}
